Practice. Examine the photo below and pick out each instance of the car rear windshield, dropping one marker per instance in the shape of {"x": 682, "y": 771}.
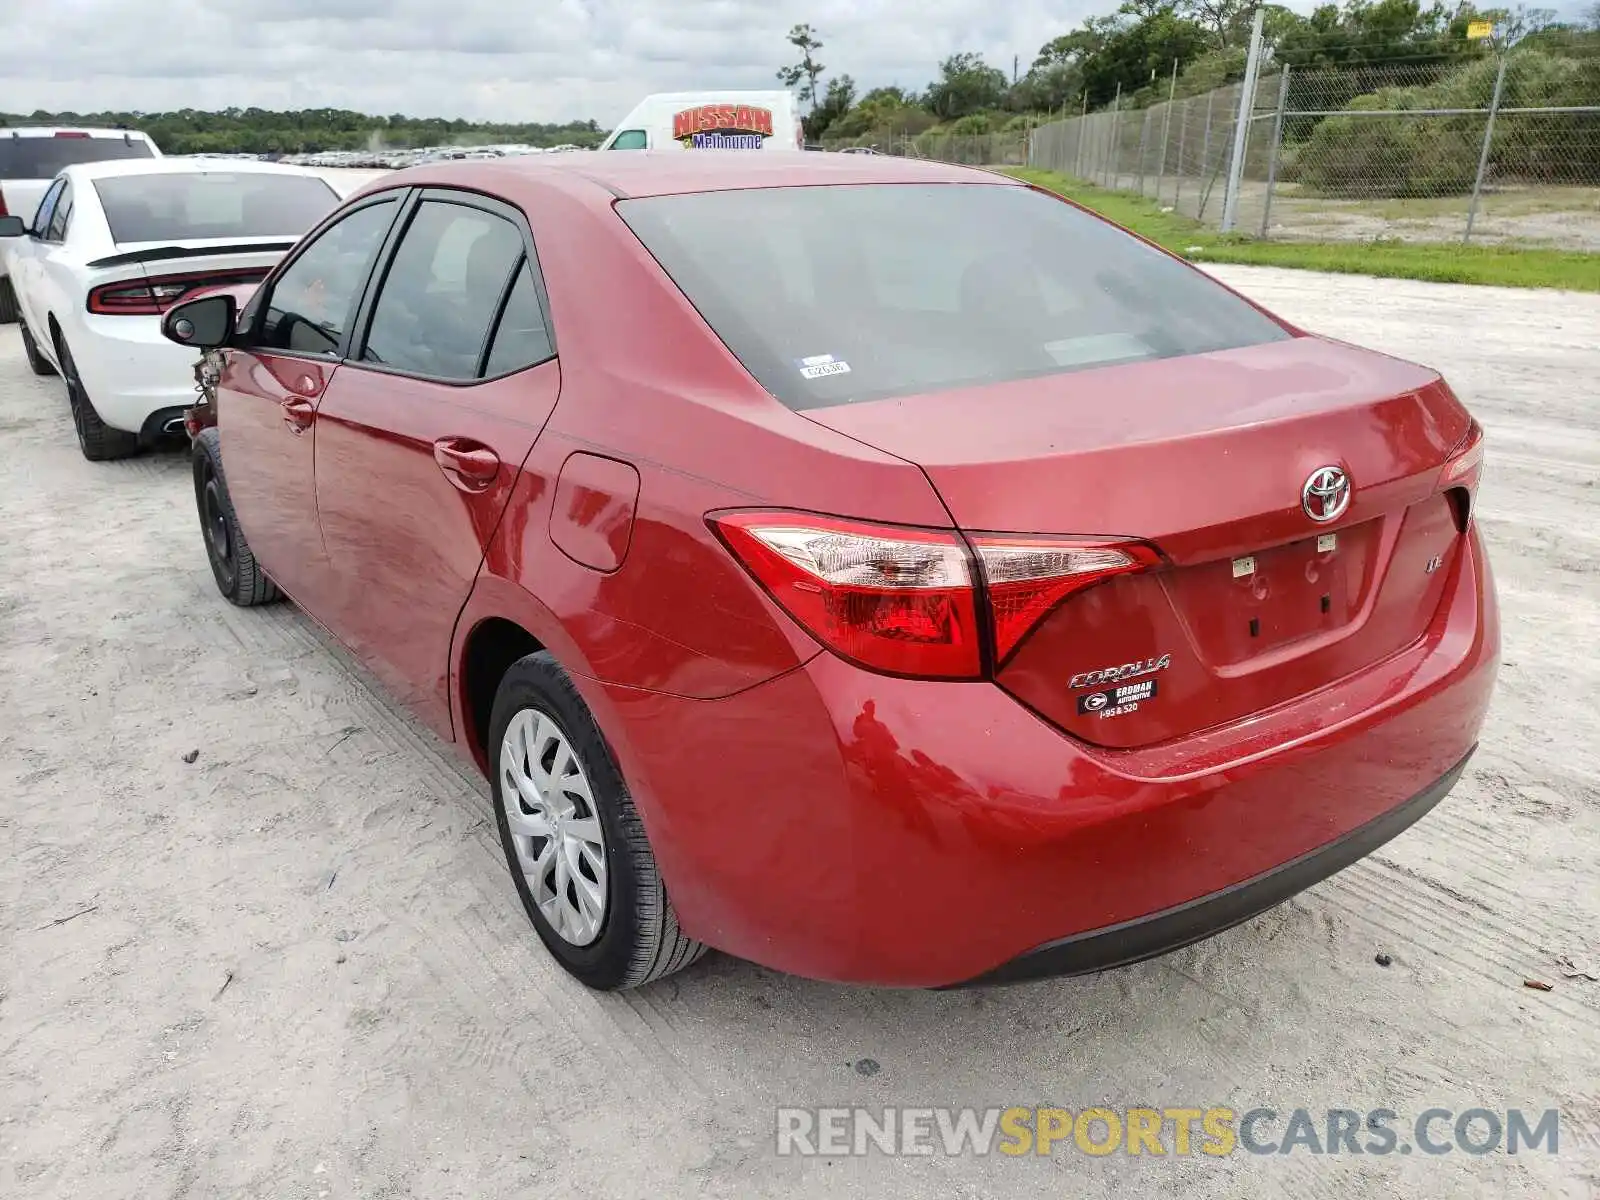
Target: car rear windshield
{"x": 212, "y": 204}
{"x": 35, "y": 157}
{"x": 835, "y": 294}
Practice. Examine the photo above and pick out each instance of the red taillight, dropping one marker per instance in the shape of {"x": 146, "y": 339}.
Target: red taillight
{"x": 907, "y": 601}
{"x": 889, "y": 598}
{"x": 135, "y": 298}
{"x": 1460, "y": 475}
{"x": 72, "y": 133}
{"x": 1027, "y": 577}
{"x": 152, "y": 297}
{"x": 4, "y": 212}
{"x": 1466, "y": 463}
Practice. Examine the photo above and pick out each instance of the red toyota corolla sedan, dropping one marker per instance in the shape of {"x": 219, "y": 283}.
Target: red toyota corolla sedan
{"x": 884, "y": 571}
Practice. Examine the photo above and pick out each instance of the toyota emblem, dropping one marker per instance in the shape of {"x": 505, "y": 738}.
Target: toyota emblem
{"x": 1326, "y": 494}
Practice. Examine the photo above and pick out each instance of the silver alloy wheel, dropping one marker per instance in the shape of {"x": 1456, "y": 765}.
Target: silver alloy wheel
{"x": 555, "y": 830}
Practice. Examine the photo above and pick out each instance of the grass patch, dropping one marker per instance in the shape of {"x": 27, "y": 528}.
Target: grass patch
{"x": 1505, "y": 266}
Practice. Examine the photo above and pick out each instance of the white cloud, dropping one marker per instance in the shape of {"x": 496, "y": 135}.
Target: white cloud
{"x": 482, "y": 59}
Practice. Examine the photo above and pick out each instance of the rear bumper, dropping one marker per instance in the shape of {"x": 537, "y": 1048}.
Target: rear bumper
{"x": 131, "y": 372}
{"x": 847, "y": 826}
{"x": 1160, "y": 933}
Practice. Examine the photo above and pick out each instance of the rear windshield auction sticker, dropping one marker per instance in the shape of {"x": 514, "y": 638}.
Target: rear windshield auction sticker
{"x": 1117, "y": 701}
{"x": 819, "y": 366}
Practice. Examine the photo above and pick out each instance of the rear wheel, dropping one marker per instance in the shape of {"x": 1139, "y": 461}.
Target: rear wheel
{"x": 38, "y": 363}
{"x": 239, "y": 577}
{"x": 98, "y": 441}
{"x": 573, "y": 839}
{"x": 8, "y": 302}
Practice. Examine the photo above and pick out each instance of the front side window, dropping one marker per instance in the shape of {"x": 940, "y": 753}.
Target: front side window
{"x": 311, "y": 302}
{"x": 173, "y": 206}
{"x": 61, "y": 215}
{"x": 442, "y": 291}
{"x": 47, "y": 206}
{"x": 835, "y": 294}
{"x": 630, "y": 139}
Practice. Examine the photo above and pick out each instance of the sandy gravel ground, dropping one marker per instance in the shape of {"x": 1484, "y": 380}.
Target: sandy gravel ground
{"x": 295, "y": 967}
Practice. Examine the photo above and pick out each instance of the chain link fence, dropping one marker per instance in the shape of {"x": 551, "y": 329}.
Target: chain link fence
{"x": 1498, "y": 149}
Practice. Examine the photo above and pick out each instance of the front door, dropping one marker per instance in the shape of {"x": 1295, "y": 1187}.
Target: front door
{"x": 27, "y": 274}
{"x": 268, "y": 392}
{"x": 421, "y": 435}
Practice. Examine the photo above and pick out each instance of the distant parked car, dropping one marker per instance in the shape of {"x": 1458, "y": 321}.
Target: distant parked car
{"x": 885, "y": 571}
{"x": 31, "y": 156}
{"x": 112, "y": 246}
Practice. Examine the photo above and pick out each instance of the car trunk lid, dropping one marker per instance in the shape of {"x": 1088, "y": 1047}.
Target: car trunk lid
{"x": 1206, "y": 459}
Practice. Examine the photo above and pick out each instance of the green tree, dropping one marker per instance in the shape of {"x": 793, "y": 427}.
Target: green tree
{"x": 836, "y": 102}
{"x": 1141, "y": 41}
{"x": 966, "y": 84}
{"x": 1226, "y": 22}
{"x": 805, "y": 73}
{"x": 1049, "y": 88}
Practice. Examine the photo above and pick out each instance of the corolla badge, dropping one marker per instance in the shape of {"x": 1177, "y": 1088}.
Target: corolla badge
{"x": 1326, "y": 494}
{"x": 1105, "y": 675}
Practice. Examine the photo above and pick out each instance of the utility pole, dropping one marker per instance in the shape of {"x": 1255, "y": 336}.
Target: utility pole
{"x": 1483, "y": 156}
{"x": 1241, "y": 128}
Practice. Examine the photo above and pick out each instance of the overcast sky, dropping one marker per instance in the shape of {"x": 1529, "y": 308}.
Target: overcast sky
{"x": 482, "y": 59}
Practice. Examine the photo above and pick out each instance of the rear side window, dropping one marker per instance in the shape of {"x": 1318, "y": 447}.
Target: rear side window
{"x": 60, "y": 216}
{"x": 442, "y": 291}
{"x": 212, "y": 204}
{"x": 44, "y": 157}
{"x": 311, "y": 301}
{"x": 830, "y": 295}
{"x": 47, "y": 207}
{"x": 522, "y": 338}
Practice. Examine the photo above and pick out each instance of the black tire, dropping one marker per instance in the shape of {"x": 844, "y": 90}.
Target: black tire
{"x": 98, "y": 441}
{"x": 8, "y": 302}
{"x": 239, "y": 577}
{"x": 639, "y": 939}
{"x": 37, "y": 363}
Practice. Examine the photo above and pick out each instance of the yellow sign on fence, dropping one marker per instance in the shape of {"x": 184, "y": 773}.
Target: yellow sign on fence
{"x": 1480, "y": 29}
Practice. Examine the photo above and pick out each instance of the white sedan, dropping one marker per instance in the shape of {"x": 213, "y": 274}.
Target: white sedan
{"x": 112, "y": 246}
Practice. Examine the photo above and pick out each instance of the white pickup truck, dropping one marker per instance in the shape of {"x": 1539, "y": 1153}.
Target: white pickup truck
{"x": 31, "y": 156}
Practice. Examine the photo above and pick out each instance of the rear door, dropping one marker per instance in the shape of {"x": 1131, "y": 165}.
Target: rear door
{"x": 421, "y": 435}
{"x": 269, "y": 388}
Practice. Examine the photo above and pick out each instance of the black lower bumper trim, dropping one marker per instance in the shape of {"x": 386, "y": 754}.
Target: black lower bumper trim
{"x": 155, "y": 425}
{"x": 1147, "y": 937}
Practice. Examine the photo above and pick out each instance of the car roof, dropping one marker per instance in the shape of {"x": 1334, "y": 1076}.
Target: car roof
{"x": 630, "y": 174}
{"x": 112, "y": 167}
{"x": 95, "y": 131}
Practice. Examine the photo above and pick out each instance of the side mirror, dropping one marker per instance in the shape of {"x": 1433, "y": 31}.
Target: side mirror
{"x": 12, "y": 227}
{"x": 203, "y": 324}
